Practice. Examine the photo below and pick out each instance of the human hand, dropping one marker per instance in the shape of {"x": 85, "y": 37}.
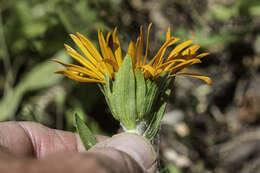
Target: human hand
{"x": 28, "y": 147}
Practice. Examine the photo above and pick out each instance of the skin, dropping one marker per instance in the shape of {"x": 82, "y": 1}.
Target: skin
{"x": 27, "y": 147}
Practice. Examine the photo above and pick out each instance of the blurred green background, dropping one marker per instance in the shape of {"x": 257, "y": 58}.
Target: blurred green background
{"x": 206, "y": 128}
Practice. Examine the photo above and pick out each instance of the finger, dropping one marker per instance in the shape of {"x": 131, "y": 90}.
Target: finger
{"x": 131, "y": 153}
{"x": 14, "y": 139}
{"x": 100, "y": 138}
{"x": 68, "y": 163}
{"x": 36, "y": 140}
{"x": 47, "y": 141}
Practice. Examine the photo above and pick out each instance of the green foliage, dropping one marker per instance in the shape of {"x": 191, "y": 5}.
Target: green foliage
{"x": 238, "y": 8}
{"x": 122, "y": 97}
{"x": 86, "y": 136}
{"x": 170, "y": 168}
{"x": 28, "y": 21}
{"x": 140, "y": 93}
{"x": 39, "y": 77}
{"x": 137, "y": 103}
{"x": 31, "y": 32}
{"x": 160, "y": 96}
{"x": 31, "y": 19}
{"x": 221, "y": 15}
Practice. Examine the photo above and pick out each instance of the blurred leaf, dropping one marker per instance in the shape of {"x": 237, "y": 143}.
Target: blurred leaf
{"x": 3, "y": 47}
{"x": 206, "y": 39}
{"x": 222, "y": 12}
{"x": 40, "y": 76}
{"x": 60, "y": 98}
{"x": 170, "y": 168}
{"x": 245, "y": 6}
{"x": 173, "y": 169}
{"x": 257, "y": 44}
{"x": 213, "y": 39}
{"x": 28, "y": 21}
{"x": 255, "y": 10}
{"x": 10, "y": 103}
{"x": 74, "y": 18}
{"x": 35, "y": 29}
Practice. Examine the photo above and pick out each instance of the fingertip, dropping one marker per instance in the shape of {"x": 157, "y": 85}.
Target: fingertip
{"x": 80, "y": 146}
{"x": 136, "y": 146}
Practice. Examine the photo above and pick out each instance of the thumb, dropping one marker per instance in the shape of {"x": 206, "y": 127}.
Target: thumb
{"x": 131, "y": 152}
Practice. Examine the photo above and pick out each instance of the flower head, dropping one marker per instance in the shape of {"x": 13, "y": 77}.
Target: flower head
{"x": 94, "y": 65}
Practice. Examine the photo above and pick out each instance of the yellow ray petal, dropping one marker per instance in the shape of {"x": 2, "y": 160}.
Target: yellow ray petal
{"x": 116, "y": 47}
{"x": 132, "y": 51}
{"x": 102, "y": 44}
{"x": 191, "y": 50}
{"x": 175, "y": 68}
{"x": 164, "y": 46}
{"x": 168, "y": 34}
{"x": 199, "y": 76}
{"x": 91, "y": 48}
{"x": 171, "y": 62}
{"x": 136, "y": 45}
{"x": 105, "y": 53}
{"x": 112, "y": 63}
{"x": 202, "y": 55}
{"x": 150, "y": 69}
{"x": 111, "y": 55}
{"x": 108, "y": 37}
{"x": 160, "y": 59}
{"x": 83, "y": 70}
{"x": 147, "y": 43}
{"x": 184, "y": 69}
{"x": 83, "y": 49}
{"x": 76, "y": 77}
{"x": 140, "y": 47}
{"x": 112, "y": 67}
{"x": 179, "y": 48}
{"x": 81, "y": 59}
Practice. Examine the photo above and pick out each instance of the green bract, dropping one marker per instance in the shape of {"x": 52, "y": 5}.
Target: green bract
{"x": 137, "y": 103}
{"x": 85, "y": 134}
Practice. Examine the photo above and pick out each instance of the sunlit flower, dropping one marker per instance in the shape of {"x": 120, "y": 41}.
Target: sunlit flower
{"x": 94, "y": 65}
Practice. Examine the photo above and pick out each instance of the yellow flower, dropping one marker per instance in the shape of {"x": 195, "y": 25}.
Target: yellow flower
{"x": 94, "y": 67}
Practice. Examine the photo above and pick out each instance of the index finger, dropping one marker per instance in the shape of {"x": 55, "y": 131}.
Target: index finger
{"x": 31, "y": 139}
